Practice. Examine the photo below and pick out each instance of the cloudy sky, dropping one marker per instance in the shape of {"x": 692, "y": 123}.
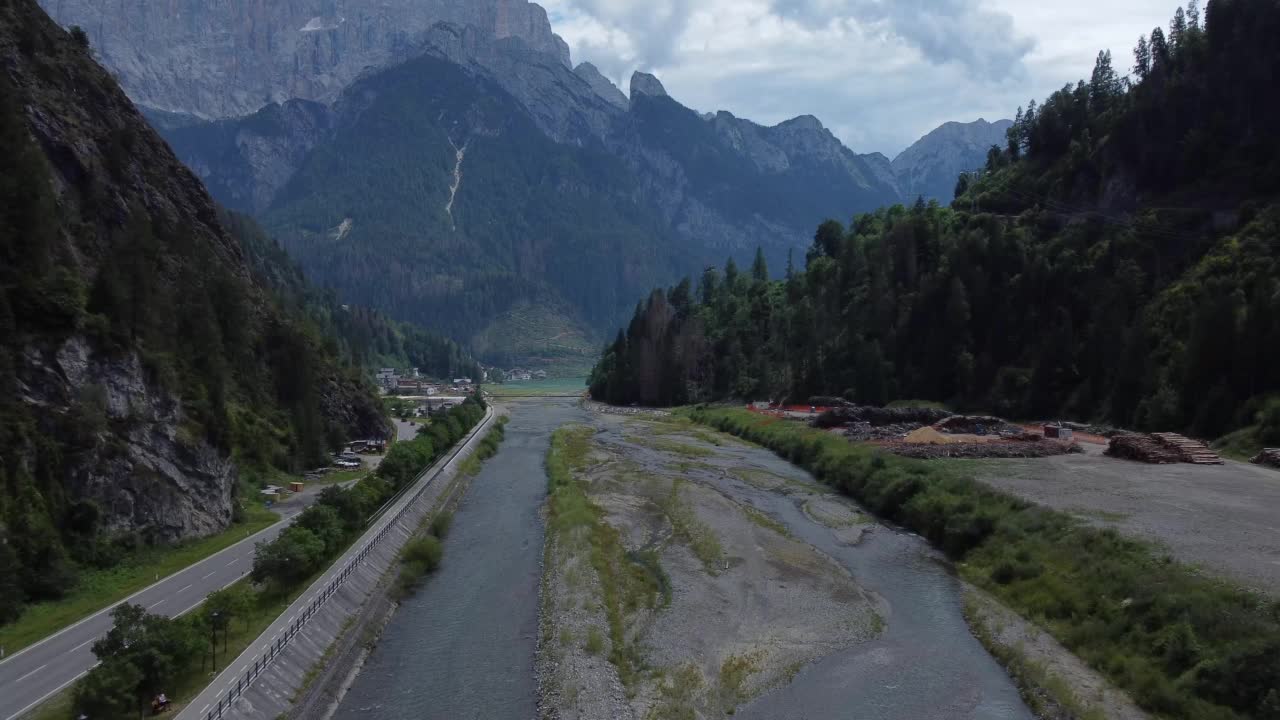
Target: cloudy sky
{"x": 879, "y": 73}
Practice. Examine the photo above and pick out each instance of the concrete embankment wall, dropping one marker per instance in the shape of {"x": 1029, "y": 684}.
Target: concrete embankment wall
{"x": 275, "y": 687}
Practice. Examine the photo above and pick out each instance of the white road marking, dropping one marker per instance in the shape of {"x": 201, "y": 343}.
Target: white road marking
{"x": 233, "y": 562}
{"x": 86, "y": 642}
{"x": 33, "y": 672}
{"x": 183, "y": 588}
{"x": 206, "y": 577}
{"x": 155, "y": 604}
{"x": 206, "y": 707}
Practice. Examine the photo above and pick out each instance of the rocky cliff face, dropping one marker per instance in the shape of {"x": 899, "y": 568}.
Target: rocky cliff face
{"x": 601, "y": 85}
{"x": 139, "y": 349}
{"x": 228, "y": 59}
{"x": 138, "y": 465}
{"x": 930, "y": 167}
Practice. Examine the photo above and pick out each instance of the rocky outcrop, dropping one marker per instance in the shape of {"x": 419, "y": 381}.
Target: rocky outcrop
{"x": 930, "y": 167}
{"x": 601, "y": 85}
{"x": 228, "y": 59}
{"x": 135, "y": 457}
{"x": 646, "y": 84}
{"x": 244, "y": 163}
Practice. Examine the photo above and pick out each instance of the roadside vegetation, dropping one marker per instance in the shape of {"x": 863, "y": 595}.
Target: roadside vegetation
{"x": 97, "y": 589}
{"x": 146, "y": 654}
{"x": 1182, "y": 645}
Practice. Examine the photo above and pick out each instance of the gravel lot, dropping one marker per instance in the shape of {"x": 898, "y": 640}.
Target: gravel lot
{"x": 1224, "y": 518}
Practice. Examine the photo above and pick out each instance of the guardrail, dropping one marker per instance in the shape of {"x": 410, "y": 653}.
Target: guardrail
{"x": 261, "y": 662}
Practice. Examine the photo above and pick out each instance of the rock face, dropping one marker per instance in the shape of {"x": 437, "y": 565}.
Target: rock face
{"x": 243, "y": 164}
{"x": 930, "y": 167}
{"x": 129, "y": 391}
{"x": 601, "y": 85}
{"x": 646, "y": 84}
{"x": 230, "y": 58}
{"x": 141, "y": 471}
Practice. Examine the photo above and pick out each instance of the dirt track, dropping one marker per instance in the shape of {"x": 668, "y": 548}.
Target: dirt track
{"x": 1225, "y": 519}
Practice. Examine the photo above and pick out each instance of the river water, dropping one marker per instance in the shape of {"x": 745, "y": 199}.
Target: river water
{"x": 463, "y": 647}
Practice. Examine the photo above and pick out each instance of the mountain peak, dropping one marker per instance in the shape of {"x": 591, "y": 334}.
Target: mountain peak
{"x": 313, "y": 52}
{"x": 601, "y": 84}
{"x": 803, "y": 122}
{"x": 646, "y": 84}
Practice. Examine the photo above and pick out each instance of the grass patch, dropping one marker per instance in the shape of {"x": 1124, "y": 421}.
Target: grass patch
{"x": 765, "y": 521}
{"x": 1242, "y": 445}
{"x": 595, "y": 641}
{"x": 678, "y": 694}
{"x": 1104, "y": 515}
{"x": 97, "y": 589}
{"x": 629, "y": 581}
{"x": 685, "y": 525}
{"x": 1183, "y": 645}
{"x": 734, "y": 673}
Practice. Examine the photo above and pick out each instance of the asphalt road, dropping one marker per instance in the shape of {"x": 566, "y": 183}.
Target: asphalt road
{"x": 32, "y": 675}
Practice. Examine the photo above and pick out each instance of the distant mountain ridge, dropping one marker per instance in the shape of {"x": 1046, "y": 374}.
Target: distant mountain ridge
{"x": 229, "y": 59}
{"x": 932, "y": 164}
{"x": 683, "y": 189}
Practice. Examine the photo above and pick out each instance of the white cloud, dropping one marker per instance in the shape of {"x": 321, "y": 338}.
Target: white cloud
{"x": 879, "y": 73}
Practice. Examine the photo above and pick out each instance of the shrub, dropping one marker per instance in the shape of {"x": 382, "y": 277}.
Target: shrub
{"x": 425, "y": 552}
{"x": 1269, "y": 423}
{"x": 79, "y": 37}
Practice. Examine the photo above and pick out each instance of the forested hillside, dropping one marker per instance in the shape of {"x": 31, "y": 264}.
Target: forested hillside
{"x": 143, "y": 370}
{"x": 1119, "y": 259}
{"x": 379, "y": 213}
{"x": 361, "y": 337}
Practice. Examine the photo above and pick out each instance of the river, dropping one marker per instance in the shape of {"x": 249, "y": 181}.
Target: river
{"x": 463, "y": 647}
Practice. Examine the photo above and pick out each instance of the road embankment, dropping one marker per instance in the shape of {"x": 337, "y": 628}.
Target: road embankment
{"x": 265, "y": 680}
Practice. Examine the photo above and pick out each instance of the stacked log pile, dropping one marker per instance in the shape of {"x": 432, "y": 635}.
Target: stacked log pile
{"x": 1270, "y": 456}
{"x": 1143, "y": 448}
{"x": 1190, "y": 451}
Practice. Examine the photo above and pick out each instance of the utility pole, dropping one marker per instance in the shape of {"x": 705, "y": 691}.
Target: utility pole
{"x": 213, "y": 639}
